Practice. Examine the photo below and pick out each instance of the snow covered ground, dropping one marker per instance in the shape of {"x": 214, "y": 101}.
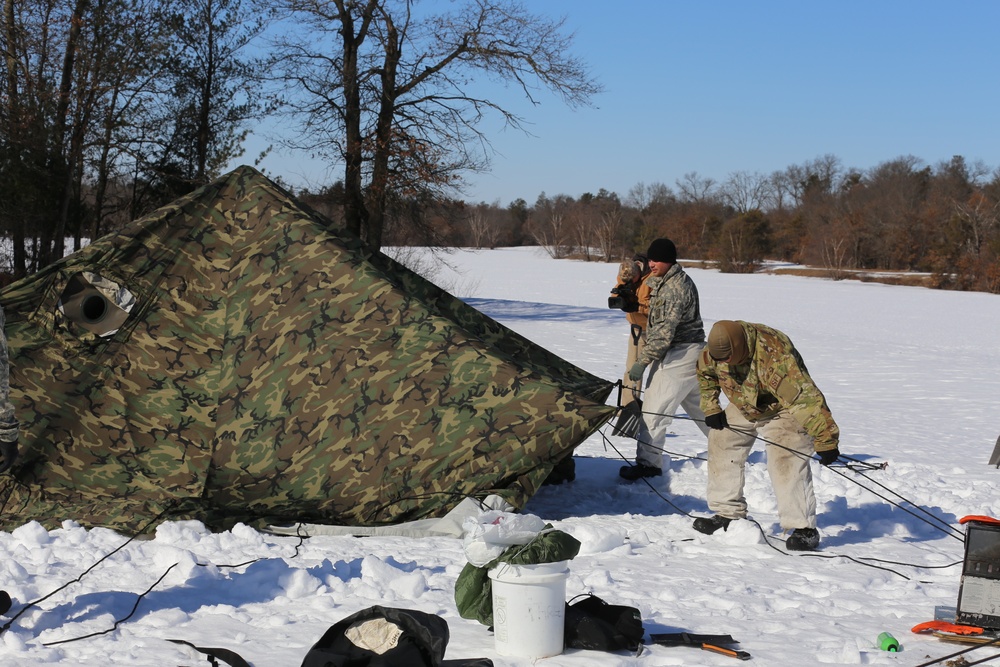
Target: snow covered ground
{"x": 910, "y": 375}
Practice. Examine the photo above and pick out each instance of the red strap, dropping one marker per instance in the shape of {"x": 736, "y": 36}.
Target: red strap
{"x": 981, "y": 519}
{"x": 945, "y": 626}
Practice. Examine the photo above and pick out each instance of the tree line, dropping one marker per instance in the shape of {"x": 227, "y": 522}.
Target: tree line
{"x": 901, "y": 215}
{"x": 111, "y": 108}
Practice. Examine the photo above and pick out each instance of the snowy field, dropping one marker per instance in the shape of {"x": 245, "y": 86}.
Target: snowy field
{"x": 910, "y": 375}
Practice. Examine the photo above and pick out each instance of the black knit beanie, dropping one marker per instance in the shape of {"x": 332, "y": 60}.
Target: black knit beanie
{"x": 662, "y": 250}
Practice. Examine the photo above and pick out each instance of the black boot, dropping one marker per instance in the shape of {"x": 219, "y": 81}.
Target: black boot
{"x": 803, "y": 539}
{"x": 638, "y": 471}
{"x": 711, "y": 524}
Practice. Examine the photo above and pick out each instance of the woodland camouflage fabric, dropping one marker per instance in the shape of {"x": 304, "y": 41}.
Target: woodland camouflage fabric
{"x": 273, "y": 368}
{"x": 774, "y": 379}
{"x": 8, "y": 417}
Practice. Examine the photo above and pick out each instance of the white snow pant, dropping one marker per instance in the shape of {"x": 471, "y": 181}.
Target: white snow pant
{"x": 670, "y": 382}
{"x": 790, "y": 474}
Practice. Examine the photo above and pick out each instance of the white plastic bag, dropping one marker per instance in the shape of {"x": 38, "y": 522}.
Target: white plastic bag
{"x": 491, "y": 533}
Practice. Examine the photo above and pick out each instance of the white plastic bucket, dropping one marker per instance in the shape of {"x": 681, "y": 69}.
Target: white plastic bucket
{"x": 529, "y": 609}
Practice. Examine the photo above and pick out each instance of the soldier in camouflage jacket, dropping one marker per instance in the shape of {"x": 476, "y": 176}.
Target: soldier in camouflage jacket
{"x": 771, "y": 395}
{"x": 8, "y": 422}
{"x": 674, "y": 338}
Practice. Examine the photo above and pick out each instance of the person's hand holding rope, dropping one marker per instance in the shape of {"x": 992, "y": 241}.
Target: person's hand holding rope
{"x": 717, "y": 421}
{"x": 828, "y": 456}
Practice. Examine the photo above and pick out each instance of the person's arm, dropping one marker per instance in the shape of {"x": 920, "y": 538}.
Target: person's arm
{"x": 708, "y": 384}
{"x": 795, "y": 390}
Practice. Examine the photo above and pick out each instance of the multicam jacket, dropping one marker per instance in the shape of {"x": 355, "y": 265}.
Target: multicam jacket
{"x": 8, "y": 422}
{"x": 774, "y": 379}
{"x": 674, "y": 314}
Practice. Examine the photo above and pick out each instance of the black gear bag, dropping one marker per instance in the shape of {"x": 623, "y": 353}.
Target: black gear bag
{"x": 592, "y": 623}
{"x": 386, "y": 637}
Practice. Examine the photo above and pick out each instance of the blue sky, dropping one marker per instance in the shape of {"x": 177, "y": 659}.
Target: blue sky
{"x": 716, "y": 87}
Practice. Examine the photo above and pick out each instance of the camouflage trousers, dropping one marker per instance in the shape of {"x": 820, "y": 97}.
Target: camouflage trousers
{"x": 791, "y": 477}
{"x": 670, "y": 383}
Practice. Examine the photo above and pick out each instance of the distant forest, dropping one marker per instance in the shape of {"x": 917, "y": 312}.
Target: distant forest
{"x": 901, "y": 215}
{"x": 109, "y": 110}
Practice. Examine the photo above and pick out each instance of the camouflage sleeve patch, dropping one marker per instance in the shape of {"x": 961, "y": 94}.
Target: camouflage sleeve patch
{"x": 785, "y": 390}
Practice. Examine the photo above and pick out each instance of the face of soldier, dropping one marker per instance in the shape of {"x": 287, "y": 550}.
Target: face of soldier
{"x": 659, "y": 269}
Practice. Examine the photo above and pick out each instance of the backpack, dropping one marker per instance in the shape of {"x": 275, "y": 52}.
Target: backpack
{"x": 386, "y": 637}
{"x": 592, "y": 623}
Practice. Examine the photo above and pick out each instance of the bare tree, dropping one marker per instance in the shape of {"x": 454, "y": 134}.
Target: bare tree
{"x": 814, "y": 178}
{"x": 549, "y": 226}
{"x": 638, "y": 196}
{"x": 642, "y": 196}
{"x": 479, "y": 226}
{"x": 609, "y": 233}
{"x": 495, "y": 229}
{"x": 835, "y": 256}
{"x": 584, "y": 233}
{"x": 694, "y": 188}
{"x": 781, "y": 191}
{"x": 389, "y": 92}
{"x": 745, "y": 191}
{"x": 551, "y": 235}
{"x": 980, "y": 217}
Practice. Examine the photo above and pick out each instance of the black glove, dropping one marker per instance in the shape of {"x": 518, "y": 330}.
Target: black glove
{"x": 717, "y": 421}
{"x": 828, "y": 456}
{"x": 8, "y": 454}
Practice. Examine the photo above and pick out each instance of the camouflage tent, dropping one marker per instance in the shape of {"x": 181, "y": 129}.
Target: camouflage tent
{"x": 233, "y": 357}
